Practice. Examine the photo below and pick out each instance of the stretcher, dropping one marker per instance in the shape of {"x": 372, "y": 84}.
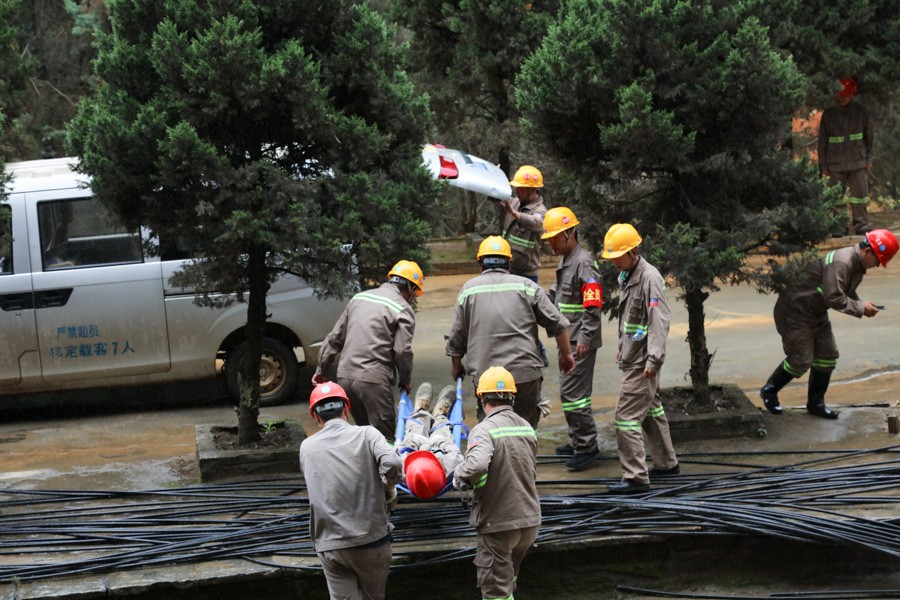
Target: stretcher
{"x": 455, "y": 421}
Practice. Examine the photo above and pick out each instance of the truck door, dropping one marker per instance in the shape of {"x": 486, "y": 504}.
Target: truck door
{"x": 99, "y": 305}
{"x": 18, "y": 351}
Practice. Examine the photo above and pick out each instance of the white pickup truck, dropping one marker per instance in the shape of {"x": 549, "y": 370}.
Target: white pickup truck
{"x": 81, "y": 304}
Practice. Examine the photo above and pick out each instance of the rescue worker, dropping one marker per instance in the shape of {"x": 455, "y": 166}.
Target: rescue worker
{"x": 524, "y": 221}
{"x": 845, "y": 149}
{"x": 374, "y": 338}
{"x": 522, "y": 226}
{"x": 496, "y": 321}
{"x": 801, "y": 317}
{"x": 429, "y": 453}
{"x": 643, "y": 327}
{"x": 578, "y": 295}
{"x": 350, "y": 474}
{"x": 500, "y": 465}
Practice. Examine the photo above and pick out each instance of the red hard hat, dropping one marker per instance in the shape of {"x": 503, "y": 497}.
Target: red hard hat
{"x": 326, "y": 391}
{"x": 425, "y": 476}
{"x": 849, "y": 87}
{"x": 883, "y": 244}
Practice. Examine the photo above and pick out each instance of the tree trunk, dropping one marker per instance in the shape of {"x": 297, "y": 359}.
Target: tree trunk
{"x": 469, "y": 211}
{"x": 700, "y": 357}
{"x": 472, "y": 222}
{"x": 248, "y": 373}
{"x": 503, "y": 160}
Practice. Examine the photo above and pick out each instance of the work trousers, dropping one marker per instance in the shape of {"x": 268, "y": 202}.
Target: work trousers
{"x": 638, "y": 412}
{"x": 575, "y": 396}
{"x": 498, "y": 557}
{"x": 857, "y": 181}
{"x": 806, "y": 343}
{"x": 357, "y": 573}
{"x": 372, "y": 404}
{"x": 528, "y": 394}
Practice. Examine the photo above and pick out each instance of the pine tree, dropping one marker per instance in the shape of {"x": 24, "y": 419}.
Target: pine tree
{"x": 466, "y": 54}
{"x": 671, "y": 115}
{"x": 272, "y": 134}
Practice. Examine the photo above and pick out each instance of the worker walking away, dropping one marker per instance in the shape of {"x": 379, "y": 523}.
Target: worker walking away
{"x": 578, "y": 295}
{"x": 428, "y": 451}
{"x": 351, "y": 473}
{"x": 374, "y": 338}
{"x": 643, "y": 327}
{"x": 801, "y": 317}
{"x": 500, "y": 465}
{"x": 523, "y": 222}
{"x": 845, "y": 148}
{"x": 496, "y": 321}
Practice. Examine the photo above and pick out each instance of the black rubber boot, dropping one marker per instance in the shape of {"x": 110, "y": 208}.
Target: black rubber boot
{"x": 815, "y": 399}
{"x": 769, "y": 392}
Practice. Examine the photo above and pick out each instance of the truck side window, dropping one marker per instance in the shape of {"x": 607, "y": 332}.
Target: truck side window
{"x": 79, "y": 233}
{"x": 5, "y": 240}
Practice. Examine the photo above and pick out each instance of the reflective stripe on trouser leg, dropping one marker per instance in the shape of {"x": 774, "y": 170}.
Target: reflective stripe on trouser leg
{"x": 802, "y": 341}
{"x": 635, "y": 397}
{"x": 575, "y": 396}
{"x": 656, "y": 426}
{"x": 498, "y": 557}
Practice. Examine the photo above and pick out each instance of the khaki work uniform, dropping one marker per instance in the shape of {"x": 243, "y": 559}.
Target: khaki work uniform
{"x": 374, "y": 338}
{"x": 845, "y": 147}
{"x": 345, "y": 468}
{"x": 643, "y": 328}
{"x": 496, "y": 322}
{"x": 801, "y": 311}
{"x": 501, "y": 465}
{"x": 524, "y": 236}
{"x": 578, "y": 295}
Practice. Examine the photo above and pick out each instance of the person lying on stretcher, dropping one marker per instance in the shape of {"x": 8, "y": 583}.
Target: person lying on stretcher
{"x": 427, "y": 447}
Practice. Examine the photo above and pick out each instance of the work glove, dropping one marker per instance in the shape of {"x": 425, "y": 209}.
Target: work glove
{"x": 544, "y": 406}
{"x": 460, "y": 484}
{"x": 390, "y": 497}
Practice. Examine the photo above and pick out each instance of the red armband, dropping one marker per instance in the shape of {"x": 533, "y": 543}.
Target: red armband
{"x": 592, "y": 294}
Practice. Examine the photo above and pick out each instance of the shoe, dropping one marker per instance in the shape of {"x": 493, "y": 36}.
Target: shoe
{"x": 769, "y": 397}
{"x": 820, "y": 410}
{"x": 445, "y": 401}
{"x": 566, "y": 450}
{"x": 579, "y": 462}
{"x": 423, "y": 397}
{"x": 676, "y": 470}
{"x": 628, "y": 486}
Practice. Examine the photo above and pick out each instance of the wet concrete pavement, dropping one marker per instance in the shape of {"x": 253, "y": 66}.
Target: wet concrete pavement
{"x": 142, "y": 439}
{"x": 138, "y": 440}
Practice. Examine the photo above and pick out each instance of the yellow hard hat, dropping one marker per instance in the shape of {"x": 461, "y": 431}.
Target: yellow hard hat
{"x": 494, "y": 246}
{"x": 557, "y": 220}
{"x": 527, "y": 176}
{"x": 411, "y": 272}
{"x": 496, "y": 379}
{"x": 621, "y": 238}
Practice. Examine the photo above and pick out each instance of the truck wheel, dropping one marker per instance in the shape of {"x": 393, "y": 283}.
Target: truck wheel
{"x": 277, "y": 372}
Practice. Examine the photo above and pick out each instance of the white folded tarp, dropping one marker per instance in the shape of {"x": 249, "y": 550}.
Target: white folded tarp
{"x": 465, "y": 171}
